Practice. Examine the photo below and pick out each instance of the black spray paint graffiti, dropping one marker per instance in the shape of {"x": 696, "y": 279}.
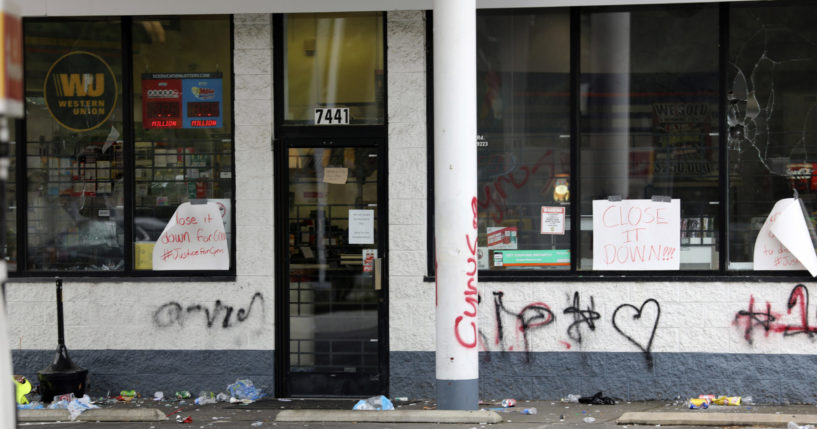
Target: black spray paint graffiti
{"x": 629, "y": 326}
{"x": 513, "y": 329}
{"x": 587, "y": 317}
{"x": 174, "y": 313}
{"x": 533, "y": 316}
{"x": 768, "y": 319}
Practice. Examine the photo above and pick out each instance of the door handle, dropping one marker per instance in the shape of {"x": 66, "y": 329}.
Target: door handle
{"x": 378, "y": 273}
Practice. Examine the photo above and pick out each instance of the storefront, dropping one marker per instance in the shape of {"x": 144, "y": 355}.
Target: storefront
{"x": 629, "y": 157}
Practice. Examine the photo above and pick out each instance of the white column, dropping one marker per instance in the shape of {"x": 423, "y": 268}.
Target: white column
{"x": 610, "y": 45}
{"x": 455, "y": 208}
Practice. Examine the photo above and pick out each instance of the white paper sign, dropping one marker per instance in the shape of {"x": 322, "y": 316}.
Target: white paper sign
{"x": 361, "y": 226}
{"x": 553, "y": 220}
{"x": 636, "y": 235}
{"x": 194, "y": 239}
{"x": 783, "y": 242}
{"x": 335, "y": 175}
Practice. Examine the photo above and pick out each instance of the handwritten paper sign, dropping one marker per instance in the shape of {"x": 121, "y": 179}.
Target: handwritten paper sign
{"x": 784, "y": 242}
{"x": 194, "y": 239}
{"x": 636, "y": 235}
{"x": 361, "y": 226}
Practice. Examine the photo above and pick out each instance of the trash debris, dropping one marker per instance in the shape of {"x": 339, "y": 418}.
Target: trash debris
{"x": 378, "y": 403}
{"x": 34, "y": 405}
{"x": 74, "y": 406}
{"x": 698, "y": 403}
{"x": 726, "y": 400}
{"x": 182, "y": 394}
{"x": 205, "y": 398}
{"x": 531, "y": 410}
{"x": 158, "y": 396}
{"x": 401, "y": 399}
{"x": 793, "y": 425}
{"x": 257, "y": 424}
{"x": 128, "y": 393}
{"x": 188, "y": 419}
{"x": 571, "y": 398}
{"x": 589, "y": 419}
{"x": 507, "y": 403}
{"x": 244, "y": 389}
{"x": 222, "y": 397}
{"x": 22, "y": 387}
{"x": 597, "y": 399}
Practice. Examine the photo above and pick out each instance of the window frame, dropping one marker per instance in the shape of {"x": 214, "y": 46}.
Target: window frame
{"x": 128, "y": 137}
{"x": 722, "y": 273}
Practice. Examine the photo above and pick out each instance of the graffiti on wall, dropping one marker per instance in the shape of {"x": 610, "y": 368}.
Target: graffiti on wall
{"x": 174, "y": 313}
{"x": 762, "y": 317}
{"x": 581, "y": 317}
{"x": 513, "y": 329}
{"x": 627, "y": 319}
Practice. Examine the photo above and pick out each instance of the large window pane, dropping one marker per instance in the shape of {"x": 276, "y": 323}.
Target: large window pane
{"x": 182, "y": 109}
{"x": 73, "y": 145}
{"x": 772, "y": 118}
{"x": 334, "y": 60}
{"x": 649, "y": 118}
{"x": 523, "y": 148}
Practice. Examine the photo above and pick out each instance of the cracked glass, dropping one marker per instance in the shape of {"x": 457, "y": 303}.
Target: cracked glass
{"x": 771, "y": 117}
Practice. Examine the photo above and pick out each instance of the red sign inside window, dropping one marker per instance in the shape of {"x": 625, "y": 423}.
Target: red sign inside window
{"x": 161, "y": 103}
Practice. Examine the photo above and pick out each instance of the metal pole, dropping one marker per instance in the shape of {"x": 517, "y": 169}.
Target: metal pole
{"x": 455, "y": 204}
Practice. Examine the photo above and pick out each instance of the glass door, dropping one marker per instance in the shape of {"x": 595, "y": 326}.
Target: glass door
{"x": 334, "y": 270}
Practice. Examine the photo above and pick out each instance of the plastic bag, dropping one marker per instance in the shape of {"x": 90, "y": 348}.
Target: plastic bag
{"x": 75, "y": 406}
{"x": 244, "y": 389}
{"x": 378, "y": 403}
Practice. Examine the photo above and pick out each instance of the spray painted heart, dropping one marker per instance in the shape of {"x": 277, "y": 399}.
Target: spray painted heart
{"x": 636, "y": 325}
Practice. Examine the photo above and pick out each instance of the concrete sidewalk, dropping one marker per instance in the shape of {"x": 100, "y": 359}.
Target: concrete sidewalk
{"x": 420, "y": 413}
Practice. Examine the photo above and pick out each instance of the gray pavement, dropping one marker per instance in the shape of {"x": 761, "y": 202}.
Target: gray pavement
{"x": 267, "y": 413}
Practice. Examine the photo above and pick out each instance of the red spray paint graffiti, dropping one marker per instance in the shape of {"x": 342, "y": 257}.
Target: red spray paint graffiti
{"x": 471, "y": 297}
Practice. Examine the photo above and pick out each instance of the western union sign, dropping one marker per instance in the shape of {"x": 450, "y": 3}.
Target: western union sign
{"x": 80, "y": 91}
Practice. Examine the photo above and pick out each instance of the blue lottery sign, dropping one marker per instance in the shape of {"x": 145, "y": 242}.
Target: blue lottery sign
{"x": 202, "y": 101}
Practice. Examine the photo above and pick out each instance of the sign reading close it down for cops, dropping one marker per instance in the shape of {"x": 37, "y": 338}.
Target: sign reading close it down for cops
{"x": 194, "y": 239}
{"x": 80, "y": 91}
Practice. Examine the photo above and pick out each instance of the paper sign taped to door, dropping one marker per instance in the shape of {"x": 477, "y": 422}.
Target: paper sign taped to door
{"x": 335, "y": 175}
{"x": 194, "y": 239}
{"x": 784, "y": 241}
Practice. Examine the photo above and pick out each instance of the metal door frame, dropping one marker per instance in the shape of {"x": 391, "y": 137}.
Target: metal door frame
{"x": 282, "y": 146}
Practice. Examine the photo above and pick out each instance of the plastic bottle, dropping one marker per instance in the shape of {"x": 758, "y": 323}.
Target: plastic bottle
{"x": 793, "y": 425}
{"x": 509, "y": 403}
{"x": 531, "y": 410}
{"x": 572, "y": 398}
{"x": 589, "y": 419}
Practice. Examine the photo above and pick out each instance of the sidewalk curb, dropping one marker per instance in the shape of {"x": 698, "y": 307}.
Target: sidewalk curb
{"x": 93, "y": 415}
{"x": 704, "y": 418}
{"x": 391, "y": 416}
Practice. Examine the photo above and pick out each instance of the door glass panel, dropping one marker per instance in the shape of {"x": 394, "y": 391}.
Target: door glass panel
{"x": 334, "y": 60}
{"x": 333, "y": 244}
